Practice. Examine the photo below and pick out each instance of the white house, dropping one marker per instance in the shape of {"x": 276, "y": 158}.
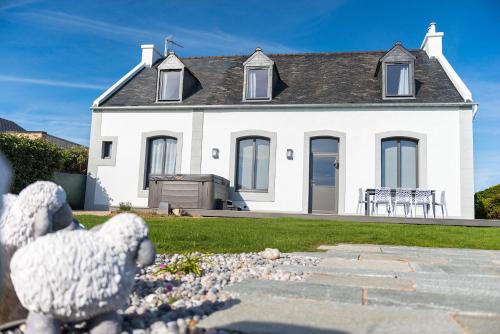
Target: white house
{"x": 292, "y": 132}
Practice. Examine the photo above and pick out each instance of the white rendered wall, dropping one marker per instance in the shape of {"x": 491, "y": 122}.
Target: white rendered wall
{"x": 442, "y": 129}
{"x": 119, "y": 183}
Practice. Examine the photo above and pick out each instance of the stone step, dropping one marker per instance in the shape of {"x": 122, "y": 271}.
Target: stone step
{"x": 269, "y": 314}
{"x": 369, "y": 296}
{"x": 385, "y": 249}
{"x": 418, "y": 257}
{"x": 382, "y": 272}
{"x": 302, "y": 290}
{"x": 362, "y": 281}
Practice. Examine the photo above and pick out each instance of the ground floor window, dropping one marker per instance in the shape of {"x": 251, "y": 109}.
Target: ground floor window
{"x": 252, "y": 171}
{"x": 399, "y": 163}
{"x": 161, "y": 157}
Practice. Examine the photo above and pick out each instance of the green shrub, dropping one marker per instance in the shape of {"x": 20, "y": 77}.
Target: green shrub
{"x": 124, "y": 207}
{"x": 37, "y": 159}
{"x": 189, "y": 263}
{"x": 32, "y": 159}
{"x": 487, "y": 203}
{"x": 74, "y": 160}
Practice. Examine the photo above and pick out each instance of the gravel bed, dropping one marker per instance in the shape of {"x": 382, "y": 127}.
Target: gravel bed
{"x": 175, "y": 303}
{"x": 165, "y": 303}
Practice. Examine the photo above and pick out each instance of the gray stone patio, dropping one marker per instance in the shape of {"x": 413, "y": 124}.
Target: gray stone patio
{"x": 374, "y": 289}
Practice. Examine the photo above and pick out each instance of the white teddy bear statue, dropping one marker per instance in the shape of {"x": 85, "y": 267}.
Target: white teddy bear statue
{"x": 40, "y": 208}
{"x": 81, "y": 275}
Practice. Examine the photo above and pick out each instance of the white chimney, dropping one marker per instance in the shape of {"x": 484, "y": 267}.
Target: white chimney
{"x": 433, "y": 42}
{"x": 149, "y": 54}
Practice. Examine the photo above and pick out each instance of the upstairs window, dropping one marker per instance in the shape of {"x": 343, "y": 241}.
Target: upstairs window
{"x": 170, "y": 85}
{"x": 257, "y": 84}
{"x": 398, "y": 77}
{"x": 260, "y": 75}
{"x": 398, "y": 80}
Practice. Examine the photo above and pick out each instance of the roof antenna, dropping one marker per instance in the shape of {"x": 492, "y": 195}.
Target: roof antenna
{"x": 168, "y": 45}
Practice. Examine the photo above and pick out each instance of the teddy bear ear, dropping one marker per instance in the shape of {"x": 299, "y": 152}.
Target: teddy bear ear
{"x": 5, "y": 174}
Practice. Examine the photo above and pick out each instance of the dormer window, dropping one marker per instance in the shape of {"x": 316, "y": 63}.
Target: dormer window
{"x": 175, "y": 81}
{"x": 170, "y": 85}
{"x": 259, "y": 77}
{"x": 398, "y": 79}
{"x": 258, "y": 83}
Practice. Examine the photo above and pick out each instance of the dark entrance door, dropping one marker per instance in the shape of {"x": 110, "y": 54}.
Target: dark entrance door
{"x": 323, "y": 176}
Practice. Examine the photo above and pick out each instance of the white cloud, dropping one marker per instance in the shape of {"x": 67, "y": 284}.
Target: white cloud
{"x": 16, "y": 4}
{"x": 191, "y": 39}
{"x": 48, "y": 82}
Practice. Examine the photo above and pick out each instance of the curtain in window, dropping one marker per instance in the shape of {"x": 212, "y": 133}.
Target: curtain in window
{"x": 398, "y": 80}
{"x": 156, "y": 155}
{"x": 404, "y": 80}
{"x": 245, "y": 164}
{"x": 261, "y": 164}
{"x": 257, "y": 83}
{"x": 252, "y": 84}
{"x": 389, "y": 163}
{"x": 170, "y": 156}
{"x": 170, "y": 85}
{"x": 253, "y": 164}
{"x": 162, "y": 155}
{"x": 408, "y": 164}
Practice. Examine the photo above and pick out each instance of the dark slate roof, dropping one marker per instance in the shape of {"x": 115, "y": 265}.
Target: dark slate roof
{"x": 312, "y": 78}
{"x": 6, "y": 125}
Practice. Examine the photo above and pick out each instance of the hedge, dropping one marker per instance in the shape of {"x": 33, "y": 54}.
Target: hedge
{"x": 37, "y": 159}
{"x": 487, "y": 203}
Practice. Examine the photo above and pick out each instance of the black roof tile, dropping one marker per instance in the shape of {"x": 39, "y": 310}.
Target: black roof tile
{"x": 310, "y": 78}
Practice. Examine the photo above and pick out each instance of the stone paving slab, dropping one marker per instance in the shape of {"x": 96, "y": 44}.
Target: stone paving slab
{"x": 374, "y": 289}
{"x": 363, "y": 281}
{"x": 390, "y": 265}
{"x": 380, "y": 272}
{"x": 290, "y": 316}
{"x": 350, "y": 247}
{"x": 429, "y": 300}
{"x": 478, "y": 324}
{"x": 303, "y": 290}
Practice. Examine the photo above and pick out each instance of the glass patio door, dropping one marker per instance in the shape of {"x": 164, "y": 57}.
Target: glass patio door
{"x": 323, "y": 175}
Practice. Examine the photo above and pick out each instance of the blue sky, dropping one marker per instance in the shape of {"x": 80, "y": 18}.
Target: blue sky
{"x": 58, "y": 56}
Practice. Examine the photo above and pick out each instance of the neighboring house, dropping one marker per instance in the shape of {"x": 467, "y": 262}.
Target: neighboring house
{"x": 292, "y": 132}
{"x": 10, "y": 127}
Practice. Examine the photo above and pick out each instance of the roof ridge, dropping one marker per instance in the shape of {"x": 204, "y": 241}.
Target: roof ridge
{"x": 299, "y": 54}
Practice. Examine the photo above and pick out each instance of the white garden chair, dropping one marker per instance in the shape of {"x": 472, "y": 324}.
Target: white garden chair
{"x": 382, "y": 196}
{"x": 403, "y": 197}
{"x": 442, "y": 204}
{"x": 423, "y": 199}
{"x": 361, "y": 201}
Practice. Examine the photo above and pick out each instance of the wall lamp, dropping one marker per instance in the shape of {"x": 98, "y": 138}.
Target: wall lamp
{"x": 289, "y": 154}
{"x": 215, "y": 153}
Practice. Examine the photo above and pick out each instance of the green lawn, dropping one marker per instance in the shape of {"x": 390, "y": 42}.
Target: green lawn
{"x": 231, "y": 235}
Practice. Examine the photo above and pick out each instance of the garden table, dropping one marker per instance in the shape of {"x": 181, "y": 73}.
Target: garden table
{"x": 371, "y": 192}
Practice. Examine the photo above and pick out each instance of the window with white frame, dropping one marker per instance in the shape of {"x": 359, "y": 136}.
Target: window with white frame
{"x": 252, "y": 164}
{"x": 170, "y": 85}
{"x": 399, "y": 163}
{"x": 161, "y": 157}
{"x": 257, "y": 84}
